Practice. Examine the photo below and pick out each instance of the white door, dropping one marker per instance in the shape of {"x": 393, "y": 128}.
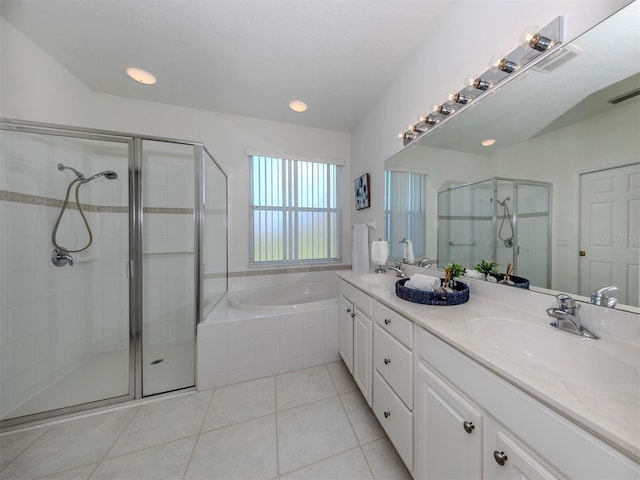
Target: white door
{"x": 610, "y": 231}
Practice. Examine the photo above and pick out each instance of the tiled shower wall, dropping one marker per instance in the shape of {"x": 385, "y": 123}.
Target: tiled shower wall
{"x": 168, "y": 242}
{"x": 53, "y": 318}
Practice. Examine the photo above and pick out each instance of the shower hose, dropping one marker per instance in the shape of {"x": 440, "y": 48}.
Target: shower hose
{"x": 62, "y": 210}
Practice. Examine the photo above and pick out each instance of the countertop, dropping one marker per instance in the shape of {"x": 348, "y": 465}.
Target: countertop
{"x": 611, "y": 412}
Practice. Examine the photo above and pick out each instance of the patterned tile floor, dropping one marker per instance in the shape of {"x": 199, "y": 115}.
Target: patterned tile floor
{"x": 307, "y": 424}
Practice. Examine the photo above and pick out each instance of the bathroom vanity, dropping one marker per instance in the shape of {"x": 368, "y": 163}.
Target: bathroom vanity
{"x": 488, "y": 389}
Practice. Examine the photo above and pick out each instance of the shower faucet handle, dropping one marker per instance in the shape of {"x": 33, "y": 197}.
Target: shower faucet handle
{"x": 60, "y": 258}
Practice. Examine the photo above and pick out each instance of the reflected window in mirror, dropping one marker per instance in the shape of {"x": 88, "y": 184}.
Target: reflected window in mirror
{"x": 404, "y": 211}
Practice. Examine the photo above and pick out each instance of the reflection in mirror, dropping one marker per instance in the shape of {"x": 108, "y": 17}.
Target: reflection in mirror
{"x": 405, "y": 197}
{"x": 502, "y": 220}
{"x": 571, "y": 121}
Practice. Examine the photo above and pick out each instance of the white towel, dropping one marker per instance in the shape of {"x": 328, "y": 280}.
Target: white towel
{"x": 379, "y": 252}
{"x": 360, "y": 251}
{"x": 424, "y": 282}
{"x": 408, "y": 252}
{"x": 473, "y": 274}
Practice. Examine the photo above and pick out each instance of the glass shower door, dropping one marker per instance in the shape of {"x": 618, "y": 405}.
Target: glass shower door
{"x": 65, "y": 336}
{"x": 168, "y": 290}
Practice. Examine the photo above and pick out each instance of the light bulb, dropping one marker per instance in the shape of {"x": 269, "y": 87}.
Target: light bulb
{"x": 534, "y": 39}
{"x": 458, "y": 97}
{"x": 501, "y": 63}
{"x": 474, "y": 82}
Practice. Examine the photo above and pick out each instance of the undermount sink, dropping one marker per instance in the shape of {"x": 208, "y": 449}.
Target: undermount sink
{"x": 569, "y": 356}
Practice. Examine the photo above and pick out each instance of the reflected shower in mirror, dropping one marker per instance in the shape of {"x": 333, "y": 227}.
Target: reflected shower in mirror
{"x": 570, "y": 121}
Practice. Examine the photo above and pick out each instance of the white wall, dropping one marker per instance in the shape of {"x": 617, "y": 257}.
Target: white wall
{"x": 463, "y": 42}
{"x": 36, "y": 88}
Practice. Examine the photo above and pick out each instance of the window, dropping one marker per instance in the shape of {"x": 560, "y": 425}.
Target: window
{"x": 295, "y": 211}
{"x": 405, "y": 197}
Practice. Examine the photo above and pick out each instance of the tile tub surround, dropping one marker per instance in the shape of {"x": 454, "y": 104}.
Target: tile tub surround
{"x": 259, "y": 429}
{"x": 610, "y": 412}
{"x": 238, "y": 345}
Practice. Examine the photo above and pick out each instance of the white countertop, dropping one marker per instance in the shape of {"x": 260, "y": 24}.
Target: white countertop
{"x": 611, "y": 412}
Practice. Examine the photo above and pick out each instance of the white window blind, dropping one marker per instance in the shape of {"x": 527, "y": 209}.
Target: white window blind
{"x": 295, "y": 211}
{"x": 405, "y": 197}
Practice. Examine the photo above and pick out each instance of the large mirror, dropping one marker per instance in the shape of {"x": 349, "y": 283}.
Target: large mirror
{"x": 572, "y": 123}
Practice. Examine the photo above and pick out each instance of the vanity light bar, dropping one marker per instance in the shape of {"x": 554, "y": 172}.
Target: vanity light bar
{"x": 535, "y": 44}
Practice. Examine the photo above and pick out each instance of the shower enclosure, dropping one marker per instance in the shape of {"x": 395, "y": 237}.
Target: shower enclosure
{"x": 112, "y": 248}
{"x": 501, "y": 220}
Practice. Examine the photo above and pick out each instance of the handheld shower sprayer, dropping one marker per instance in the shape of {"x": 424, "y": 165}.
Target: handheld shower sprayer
{"x": 60, "y": 255}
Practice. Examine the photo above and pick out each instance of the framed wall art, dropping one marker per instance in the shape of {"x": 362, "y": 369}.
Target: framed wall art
{"x": 363, "y": 200}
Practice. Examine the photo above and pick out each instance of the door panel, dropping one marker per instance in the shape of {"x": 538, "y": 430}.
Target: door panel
{"x": 610, "y": 231}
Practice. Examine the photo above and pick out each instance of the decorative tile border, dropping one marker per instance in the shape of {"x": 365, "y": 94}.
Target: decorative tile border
{"x": 281, "y": 271}
{"x": 28, "y": 199}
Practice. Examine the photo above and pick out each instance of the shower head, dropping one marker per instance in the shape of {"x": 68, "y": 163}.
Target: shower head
{"x": 108, "y": 174}
{"x": 61, "y": 167}
{"x": 503, "y": 203}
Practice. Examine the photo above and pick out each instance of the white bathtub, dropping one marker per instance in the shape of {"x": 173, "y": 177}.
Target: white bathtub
{"x": 267, "y": 331}
{"x": 286, "y": 298}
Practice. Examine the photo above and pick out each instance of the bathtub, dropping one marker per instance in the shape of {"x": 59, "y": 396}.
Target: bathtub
{"x": 267, "y": 331}
{"x": 286, "y": 298}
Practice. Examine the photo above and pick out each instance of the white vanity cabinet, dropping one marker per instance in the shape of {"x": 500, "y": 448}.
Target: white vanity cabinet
{"x": 356, "y": 336}
{"x": 520, "y": 438}
{"x": 345, "y": 332}
{"x": 448, "y": 430}
{"x": 393, "y": 378}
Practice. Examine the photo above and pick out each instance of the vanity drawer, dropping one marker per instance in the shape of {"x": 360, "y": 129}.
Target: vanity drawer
{"x": 395, "y": 363}
{"x": 395, "y": 324}
{"x": 360, "y": 299}
{"x": 395, "y": 418}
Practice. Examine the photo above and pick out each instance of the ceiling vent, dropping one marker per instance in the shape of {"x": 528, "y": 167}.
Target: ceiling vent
{"x": 625, "y": 96}
{"x": 555, "y": 61}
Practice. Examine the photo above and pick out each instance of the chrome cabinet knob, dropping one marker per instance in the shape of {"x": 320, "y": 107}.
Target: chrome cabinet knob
{"x": 468, "y": 427}
{"x": 353, "y": 315}
{"x": 387, "y": 321}
{"x": 348, "y": 310}
{"x": 387, "y": 361}
{"x": 387, "y": 414}
{"x": 500, "y": 457}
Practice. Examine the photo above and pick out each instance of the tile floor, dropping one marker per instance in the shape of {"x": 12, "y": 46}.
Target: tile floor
{"x": 306, "y": 424}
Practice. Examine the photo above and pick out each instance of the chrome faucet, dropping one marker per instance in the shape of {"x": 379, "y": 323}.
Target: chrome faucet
{"x": 397, "y": 267}
{"x": 425, "y": 262}
{"x": 601, "y": 297}
{"x": 60, "y": 258}
{"x": 568, "y": 318}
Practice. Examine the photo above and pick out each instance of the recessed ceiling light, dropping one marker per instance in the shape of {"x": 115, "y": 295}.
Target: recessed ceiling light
{"x": 141, "y": 76}
{"x": 298, "y": 106}
{"x": 488, "y": 142}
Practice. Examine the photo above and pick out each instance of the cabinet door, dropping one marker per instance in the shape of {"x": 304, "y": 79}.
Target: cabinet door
{"x": 362, "y": 354}
{"x": 346, "y": 332}
{"x": 508, "y": 458}
{"x": 448, "y": 431}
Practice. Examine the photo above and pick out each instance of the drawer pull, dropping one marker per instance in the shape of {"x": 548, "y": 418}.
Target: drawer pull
{"x": 353, "y": 315}
{"x": 348, "y": 310}
{"x": 387, "y": 414}
{"x": 500, "y": 457}
{"x": 387, "y": 321}
{"x": 468, "y": 427}
{"x": 387, "y": 361}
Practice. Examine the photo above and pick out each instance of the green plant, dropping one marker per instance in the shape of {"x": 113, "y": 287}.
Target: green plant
{"x": 487, "y": 268}
{"x": 456, "y": 270}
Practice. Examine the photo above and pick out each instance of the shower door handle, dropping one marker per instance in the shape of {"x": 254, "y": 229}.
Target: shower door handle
{"x": 129, "y": 269}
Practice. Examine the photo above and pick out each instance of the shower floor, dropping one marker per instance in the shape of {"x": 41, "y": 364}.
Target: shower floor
{"x": 106, "y": 375}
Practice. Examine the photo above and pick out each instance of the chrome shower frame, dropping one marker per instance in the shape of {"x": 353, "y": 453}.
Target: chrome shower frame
{"x": 134, "y": 271}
